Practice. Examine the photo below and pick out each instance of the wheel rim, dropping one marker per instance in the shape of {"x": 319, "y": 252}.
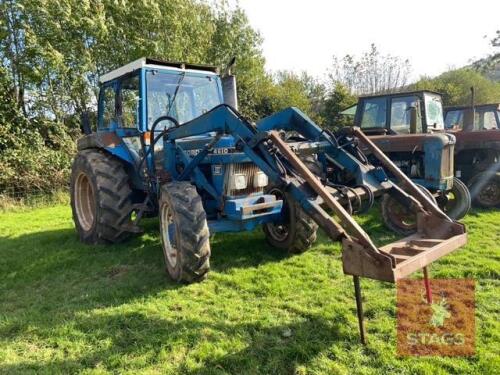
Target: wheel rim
{"x": 490, "y": 194}
{"x": 451, "y": 201}
{"x": 279, "y": 231}
{"x": 400, "y": 215}
{"x": 85, "y": 201}
{"x": 168, "y": 229}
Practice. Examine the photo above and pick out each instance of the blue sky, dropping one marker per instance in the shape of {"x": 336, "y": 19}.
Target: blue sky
{"x": 434, "y": 35}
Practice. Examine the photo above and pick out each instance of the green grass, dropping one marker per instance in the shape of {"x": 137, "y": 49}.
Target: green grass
{"x": 70, "y": 308}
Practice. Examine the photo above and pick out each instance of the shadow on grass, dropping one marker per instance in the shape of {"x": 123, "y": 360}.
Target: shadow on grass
{"x": 133, "y": 336}
{"x": 50, "y": 278}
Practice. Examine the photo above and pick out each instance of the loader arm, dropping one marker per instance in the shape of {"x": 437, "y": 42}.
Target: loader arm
{"x": 436, "y": 234}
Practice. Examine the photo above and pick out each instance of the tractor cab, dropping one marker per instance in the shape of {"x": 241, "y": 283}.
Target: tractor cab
{"x": 133, "y": 97}
{"x": 402, "y": 113}
{"x": 476, "y": 118}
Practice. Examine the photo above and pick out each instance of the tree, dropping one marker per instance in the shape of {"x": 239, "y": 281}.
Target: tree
{"x": 455, "y": 86}
{"x": 279, "y": 91}
{"x": 371, "y": 73}
{"x": 56, "y": 50}
{"x": 338, "y": 99}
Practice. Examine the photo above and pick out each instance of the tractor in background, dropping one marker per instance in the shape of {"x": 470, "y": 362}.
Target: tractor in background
{"x": 409, "y": 128}
{"x": 170, "y": 140}
{"x": 477, "y": 151}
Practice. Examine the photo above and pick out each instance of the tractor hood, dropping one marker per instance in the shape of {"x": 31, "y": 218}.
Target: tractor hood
{"x": 411, "y": 142}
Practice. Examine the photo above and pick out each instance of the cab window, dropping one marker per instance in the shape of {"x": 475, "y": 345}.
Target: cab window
{"x": 486, "y": 120}
{"x": 401, "y": 114}
{"x": 454, "y": 120}
{"x": 434, "y": 111}
{"x": 107, "y": 117}
{"x": 127, "y": 108}
{"x": 374, "y": 113}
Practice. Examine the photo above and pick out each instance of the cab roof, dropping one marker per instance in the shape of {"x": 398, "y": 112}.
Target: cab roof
{"x": 477, "y": 106}
{"x": 401, "y": 93}
{"x": 147, "y": 62}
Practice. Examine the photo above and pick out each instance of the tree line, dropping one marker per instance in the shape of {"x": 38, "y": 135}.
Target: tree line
{"x": 52, "y": 53}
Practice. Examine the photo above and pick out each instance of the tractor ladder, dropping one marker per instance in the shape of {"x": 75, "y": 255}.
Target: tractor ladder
{"x": 436, "y": 235}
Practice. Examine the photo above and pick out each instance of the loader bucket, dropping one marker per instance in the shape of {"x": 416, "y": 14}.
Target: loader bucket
{"x": 403, "y": 257}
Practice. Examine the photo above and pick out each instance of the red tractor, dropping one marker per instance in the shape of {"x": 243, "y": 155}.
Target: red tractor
{"x": 477, "y": 149}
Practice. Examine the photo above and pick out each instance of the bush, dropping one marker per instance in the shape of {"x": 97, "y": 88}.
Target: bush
{"x": 35, "y": 154}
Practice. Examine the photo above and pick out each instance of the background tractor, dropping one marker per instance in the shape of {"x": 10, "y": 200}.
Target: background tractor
{"x": 477, "y": 151}
{"x": 409, "y": 128}
{"x": 170, "y": 140}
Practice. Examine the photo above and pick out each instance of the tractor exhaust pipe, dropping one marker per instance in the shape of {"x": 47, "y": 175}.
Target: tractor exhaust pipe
{"x": 472, "y": 107}
{"x": 229, "y": 86}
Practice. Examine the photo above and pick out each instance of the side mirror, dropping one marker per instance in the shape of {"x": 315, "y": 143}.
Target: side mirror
{"x": 85, "y": 123}
{"x": 413, "y": 120}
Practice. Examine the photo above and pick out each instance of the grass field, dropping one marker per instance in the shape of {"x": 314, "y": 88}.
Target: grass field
{"x": 70, "y": 308}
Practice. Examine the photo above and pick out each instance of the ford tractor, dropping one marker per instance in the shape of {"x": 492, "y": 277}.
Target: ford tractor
{"x": 170, "y": 141}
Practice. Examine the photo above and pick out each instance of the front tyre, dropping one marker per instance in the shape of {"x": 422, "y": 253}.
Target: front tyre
{"x": 101, "y": 198}
{"x": 297, "y": 232}
{"x": 457, "y": 201}
{"x": 184, "y": 232}
{"x": 399, "y": 218}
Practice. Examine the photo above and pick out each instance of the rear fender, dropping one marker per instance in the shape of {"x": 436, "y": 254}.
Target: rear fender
{"x": 108, "y": 141}
{"x": 111, "y": 143}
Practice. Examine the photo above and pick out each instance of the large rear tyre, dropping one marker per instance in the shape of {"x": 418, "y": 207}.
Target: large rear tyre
{"x": 456, "y": 203}
{"x": 101, "y": 198}
{"x": 399, "y": 218}
{"x": 485, "y": 189}
{"x": 297, "y": 232}
{"x": 184, "y": 232}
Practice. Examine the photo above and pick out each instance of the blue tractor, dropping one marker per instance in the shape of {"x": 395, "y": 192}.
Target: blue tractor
{"x": 170, "y": 141}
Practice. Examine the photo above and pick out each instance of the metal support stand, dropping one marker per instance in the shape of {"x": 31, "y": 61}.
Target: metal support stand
{"x": 359, "y": 309}
{"x": 428, "y": 291}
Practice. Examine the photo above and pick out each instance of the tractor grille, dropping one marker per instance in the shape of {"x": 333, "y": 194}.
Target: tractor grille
{"x": 447, "y": 162}
{"x": 247, "y": 169}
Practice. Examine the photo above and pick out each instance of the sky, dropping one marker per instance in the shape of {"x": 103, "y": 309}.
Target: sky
{"x": 303, "y": 35}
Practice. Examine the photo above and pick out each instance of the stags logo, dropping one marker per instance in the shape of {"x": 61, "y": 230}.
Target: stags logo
{"x": 444, "y": 327}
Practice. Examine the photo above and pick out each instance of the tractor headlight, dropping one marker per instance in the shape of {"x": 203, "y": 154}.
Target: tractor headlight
{"x": 260, "y": 179}
{"x": 238, "y": 181}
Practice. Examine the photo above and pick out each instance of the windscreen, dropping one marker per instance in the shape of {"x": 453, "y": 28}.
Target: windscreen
{"x": 454, "y": 120}
{"x": 180, "y": 95}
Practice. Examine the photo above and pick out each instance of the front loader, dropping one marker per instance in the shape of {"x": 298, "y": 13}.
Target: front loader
{"x": 171, "y": 141}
